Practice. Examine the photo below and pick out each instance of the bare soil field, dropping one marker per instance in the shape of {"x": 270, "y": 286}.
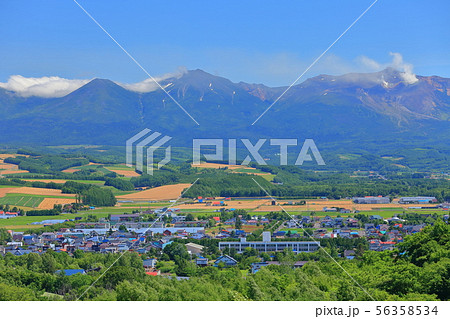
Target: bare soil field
{"x": 3, "y": 156}
{"x": 35, "y": 191}
{"x": 4, "y": 191}
{"x": 59, "y": 181}
{"x": 12, "y": 172}
{"x": 48, "y": 203}
{"x": 8, "y": 166}
{"x": 166, "y": 192}
{"x": 238, "y": 204}
{"x": 125, "y": 173}
{"x": 71, "y": 170}
{"x": 318, "y": 205}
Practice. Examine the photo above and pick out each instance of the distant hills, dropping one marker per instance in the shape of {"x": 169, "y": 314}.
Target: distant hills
{"x": 352, "y": 109}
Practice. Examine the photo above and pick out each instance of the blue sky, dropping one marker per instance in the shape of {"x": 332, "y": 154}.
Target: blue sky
{"x": 269, "y": 42}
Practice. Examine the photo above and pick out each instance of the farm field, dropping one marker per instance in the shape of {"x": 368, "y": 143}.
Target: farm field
{"x": 166, "y": 192}
{"x": 34, "y": 191}
{"x": 22, "y": 200}
{"x": 6, "y": 168}
{"x": 144, "y": 204}
{"x": 318, "y": 205}
{"x": 237, "y": 204}
{"x": 26, "y": 198}
{"x": 123, "y": 170}
{"x": 236, "y": 169}
{"x": 125, "y": 173}
{"x": 49, "y": 203}
{"x": 71, "y": 170}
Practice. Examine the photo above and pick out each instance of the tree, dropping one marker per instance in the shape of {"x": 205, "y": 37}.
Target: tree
{"x": 4, "y": 236}
{"x": 238, "y": 223}
{"x": 429, "y": 245}
{"x": 48, "y": 263}
{"x": 178, "y": 250}
{"x": 127, "y": 291}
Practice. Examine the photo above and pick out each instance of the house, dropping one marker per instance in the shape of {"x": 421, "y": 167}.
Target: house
{"x": 17, "y": 236}
{"x": 349, "y": 253}
{"x": 178, "y": 218}
{"x": 7, "y": 215}
{"x": 70, "y": 272}
{"x": 371, "y": 200}
{"x": 225, "y": 260}
{"x": 344, "y": 233}
{"x": 197, "y": 236}
{"x": 21, "y": 252}
{"x": 292, "y": 224}
{"x": 417, "y": 200}
{"x": 279, "y": 234}
{"x": 378, "y": 245}
{"x": 124, "y": 218}
{"x": 194, "y": 249}
{"x": 387, "y": 245}
{"x": 150, "y": 263}
{"x": 167, "y": 233}
{"x": 201, "y": 261}
{"x": 351, "y": 222}
{"x": 255, "y": 267}
{"x": 193, "y": 223}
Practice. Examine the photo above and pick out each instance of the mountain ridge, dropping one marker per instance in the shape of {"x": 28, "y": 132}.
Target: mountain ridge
{"x": 326, "y": 107}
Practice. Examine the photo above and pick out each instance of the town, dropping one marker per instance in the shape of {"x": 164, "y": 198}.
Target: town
{"x": 218, "y": 239}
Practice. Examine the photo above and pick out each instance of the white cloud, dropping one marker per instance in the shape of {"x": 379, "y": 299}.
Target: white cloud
{"x": 43, "y": 87}
{"x": 405, "y": 69}
{"x": 369, "y": 63}
{"x": 55, "y": 86}
{"x": 149, "y": 85}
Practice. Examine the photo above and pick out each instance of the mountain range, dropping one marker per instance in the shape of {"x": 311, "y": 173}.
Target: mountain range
{"x": 351, "y": 109}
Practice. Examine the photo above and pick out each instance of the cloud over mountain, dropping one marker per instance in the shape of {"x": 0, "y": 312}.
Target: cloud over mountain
{"x": 406, "y": 69}
{"x": 52, "y": 86}
{"x": 55, "y": 86}
{"x": 149, "y": 85}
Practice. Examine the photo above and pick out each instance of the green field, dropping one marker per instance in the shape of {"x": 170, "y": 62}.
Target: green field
{"x": 21, "y": 200}
{"x": 120, "y": 167}
{"x": 144, "y": 204}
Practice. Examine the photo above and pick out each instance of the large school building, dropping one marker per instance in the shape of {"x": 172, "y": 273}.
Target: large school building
{"x": 267, "y": 245}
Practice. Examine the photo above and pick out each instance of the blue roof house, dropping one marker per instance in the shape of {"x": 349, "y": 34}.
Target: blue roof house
{"x": 70, "y": 272}
{"x": 226, "y": 260}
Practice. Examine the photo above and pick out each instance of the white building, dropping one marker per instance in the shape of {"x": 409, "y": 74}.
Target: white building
{"x": 267, "y": 245}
